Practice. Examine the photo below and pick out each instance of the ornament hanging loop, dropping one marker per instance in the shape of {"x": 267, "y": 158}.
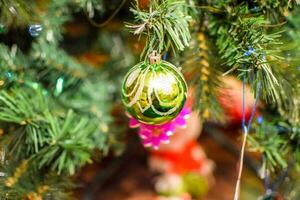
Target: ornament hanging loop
{"x": 154, "y": 57}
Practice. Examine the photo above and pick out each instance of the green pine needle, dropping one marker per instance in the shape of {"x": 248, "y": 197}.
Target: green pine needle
{"x": 164, "y": 24}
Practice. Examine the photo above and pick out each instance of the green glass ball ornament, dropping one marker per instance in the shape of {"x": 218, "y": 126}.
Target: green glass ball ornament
{"x": 154, "y": 91}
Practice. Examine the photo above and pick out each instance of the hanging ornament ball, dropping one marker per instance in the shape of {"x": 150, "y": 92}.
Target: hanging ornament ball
{"x": 154, "y": 91}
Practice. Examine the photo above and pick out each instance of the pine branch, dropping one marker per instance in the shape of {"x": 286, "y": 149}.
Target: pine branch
{"x": 90, "y": 6}
{"x": 12, "y": 59}
{"x": 164, "y": 24}
{"x": 246, "y": 47}
{"x": 20, "y": 107}
{"x": 62, "y": 142}
{"x": 289, "y": 104}
{"x": 274, "y": 10}
{"x": 55, "y": 65}
{"x": 273, "y": 158}
{"x": 69, "y": 143}
{"x": 17, "y": 12}
{"x": 209, "y": 82}
{"x": 203, "y": 77}
{"x": 31, "y": 183}
{"x": 273, "y": 140}
{"x": 87, "y": 101}
{"x": 57, "y": 13}
{"x": 57, "y": 135}
{"x": 52, "y": 139}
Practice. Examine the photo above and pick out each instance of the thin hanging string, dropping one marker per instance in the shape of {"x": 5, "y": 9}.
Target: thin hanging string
{"x": 245, "y": 129}
{"x": 243, "y": 100}
{"x": 165, "y": 56}
{"x": 238, "y": 182}
{"x": 254, "y": 107}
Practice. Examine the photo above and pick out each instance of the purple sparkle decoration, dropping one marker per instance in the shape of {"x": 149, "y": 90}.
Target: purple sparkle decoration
{"x": 154, "y": 135}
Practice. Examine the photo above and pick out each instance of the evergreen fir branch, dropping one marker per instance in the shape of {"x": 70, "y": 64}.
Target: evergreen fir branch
{"x": 32, "y": 183}
{"x": 274, "y": 10}
{"x": 16, "y": 107}
{"x": 12, "y": 59}
{"x": 89, "y": 6}
{"x": 54, "y": 63}
{"x": 57, "y": 13}
{"x": 87, "y": 101}
{"x": 55, "y": 111}
{"x": 16, "y": 12}
{"x": 270, "y": 144}
{"x": 278, "y": 141}
{"x": 245, "y": 46}
{"x": 164, "y": 24}
{"x": 63, "y": 143}
{"x": 289, "y": 104}
{"x": 209, "y": 82}
{"x": 287, "y": 71}
{"x": 95, "y": 105}
{"x": 32, "y": 137}
{"x": 69, "y": 143}
{"x": 203, "y": 78}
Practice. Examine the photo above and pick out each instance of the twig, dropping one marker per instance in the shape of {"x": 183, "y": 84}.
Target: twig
{"x": 110, "y": 17}
{"x": 280, "y": 179}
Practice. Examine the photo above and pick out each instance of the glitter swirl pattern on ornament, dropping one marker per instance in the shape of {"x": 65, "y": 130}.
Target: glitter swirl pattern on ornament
{"x": 154, "y": 93}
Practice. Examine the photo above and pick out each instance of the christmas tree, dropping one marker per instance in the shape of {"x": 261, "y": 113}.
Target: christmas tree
{"x": 63, "y": 80}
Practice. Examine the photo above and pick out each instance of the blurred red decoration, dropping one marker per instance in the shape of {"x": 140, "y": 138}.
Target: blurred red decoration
{"x": 191, "y": 158}
{"x": 143, "y": 4}
{"x": 183, "y": 165}
{"x": 94, "y": 59}
{"x": 183, "y": 154}
{"x": 231, "y": 100}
